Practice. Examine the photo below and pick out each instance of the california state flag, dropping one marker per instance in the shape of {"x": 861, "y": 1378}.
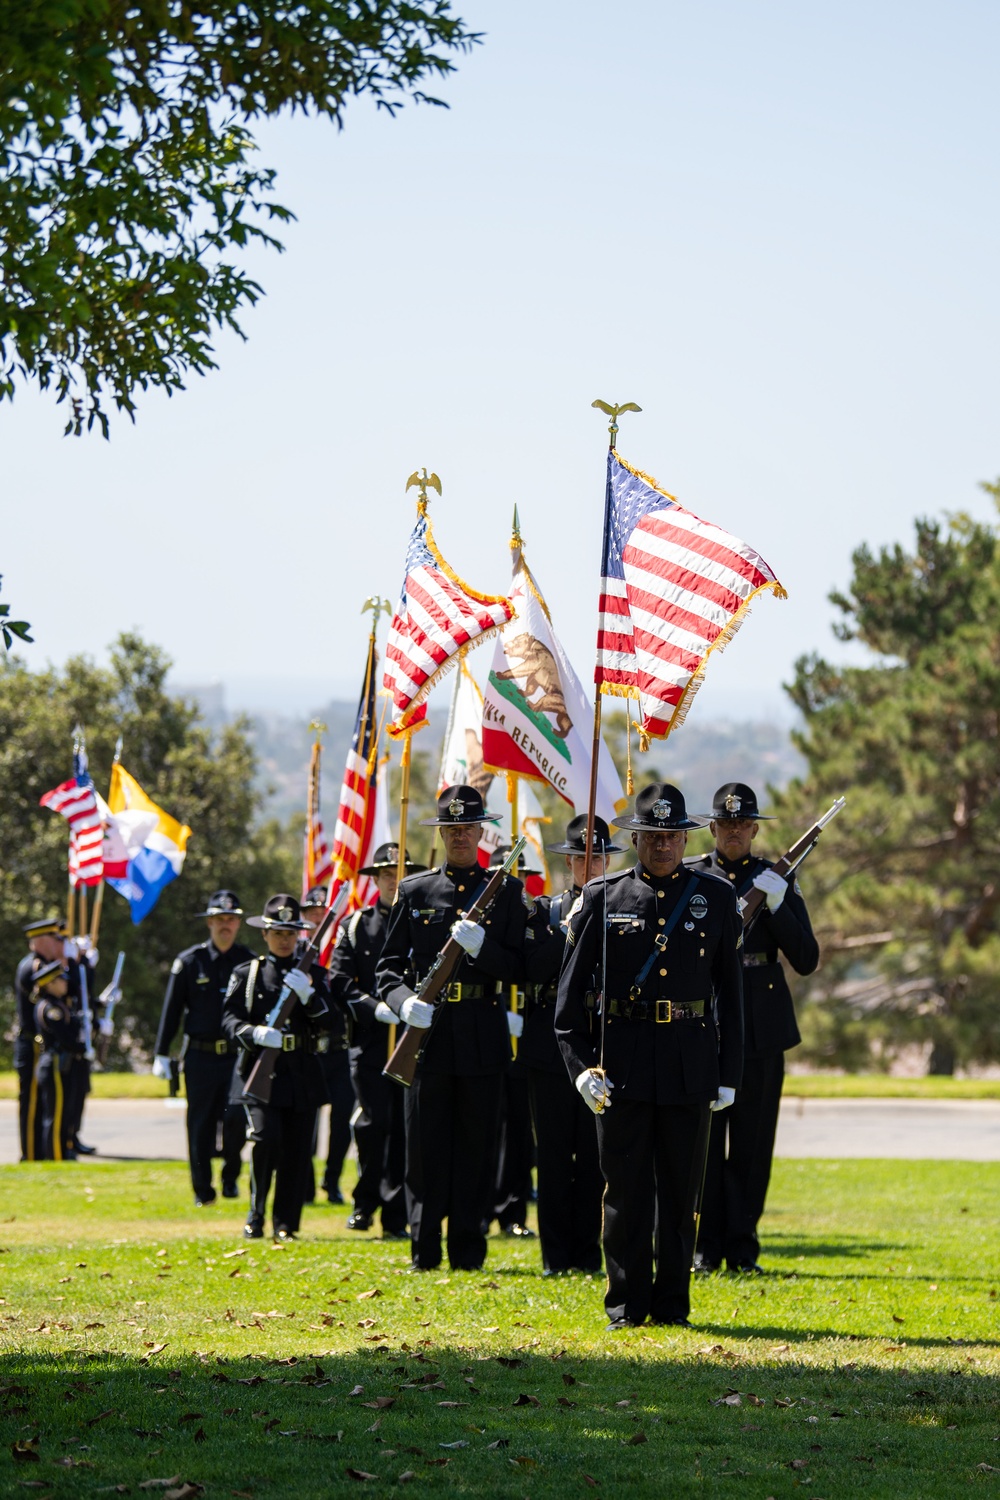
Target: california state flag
{"x": 536, "y": 719}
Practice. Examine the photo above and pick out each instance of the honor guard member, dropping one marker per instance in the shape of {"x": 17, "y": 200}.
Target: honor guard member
{"x": 282, "y": 1129}
{"x": 45, "y": 942}
{"x": 570, "y": 1181}
{"x": 379, "y": 1131}
{"x": 453, "y": 1106}
{"x": 80, "y": 956}
{"x": 670, "y": 1036}
{"x": 58, "y": 1039}
{"x": 515, "y": 1147}
{"x": 196, "y": 989}
{"x": 742, "y": 1140}
{"x": 336, "y": 1072}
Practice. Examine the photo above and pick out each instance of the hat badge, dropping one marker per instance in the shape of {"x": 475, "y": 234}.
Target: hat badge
{"x": 733, "y": 803}
{"x": 284, "y": 913}
{"x": 661, "y": 810}
{"x": 456, "y": 807}
{"x": 226, "y": 903}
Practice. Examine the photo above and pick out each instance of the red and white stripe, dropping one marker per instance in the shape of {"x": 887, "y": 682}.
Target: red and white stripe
{"x": 78, "y": 805}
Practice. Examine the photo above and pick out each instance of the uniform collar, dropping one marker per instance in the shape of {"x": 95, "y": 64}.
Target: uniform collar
{"x": 735, "y": 866}
{"x": 463, "y": 872}
{"x": 658, "y": 879}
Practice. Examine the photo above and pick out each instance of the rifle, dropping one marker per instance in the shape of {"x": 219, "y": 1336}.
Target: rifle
{"x": 402, "y": 1065}
{"x": 109, "y": 998}
{"x": 261, "y": 1079}
{"x": 789, "y": 862}
{"x": 85, "y": 1012}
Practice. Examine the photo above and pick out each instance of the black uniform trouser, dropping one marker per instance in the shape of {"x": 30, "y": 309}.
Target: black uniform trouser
{"x": 380, "y": 1136}
{"x": 739, "y": 1165}
{"x": 208, "y": 1080}
{"x": 336, "y": 1071}
{"x": 59, "y": 1105}
{"x": 516, "y": 1150}
{"x": 570, "y": 1181}
{"x": 77, "y": 1090}
{"x": 647, "y": 1156}
{"x": 28, "y": 1117}
{"x": 282, "y": 1143}
{"x": 451, "y": 1123}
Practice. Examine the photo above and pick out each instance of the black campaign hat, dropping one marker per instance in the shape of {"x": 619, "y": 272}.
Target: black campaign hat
{"x": 281, "y": 914}
{"x": 658, "y": 808}
{"x": 316, "y": 895}
{"x": 222, "y": 904}
{"x": 459, "y": 804}
{"x": 386, "y": 857}
{"x": 501, "y": 852}
{"x": 737, "y": 800}
{"x": 576, "y": 838}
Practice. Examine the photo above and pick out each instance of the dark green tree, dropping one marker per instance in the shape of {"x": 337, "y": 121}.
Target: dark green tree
{"x": 127, "y": 173}
{"x": 906, "y": 890}
{"x": 203, "y": 780}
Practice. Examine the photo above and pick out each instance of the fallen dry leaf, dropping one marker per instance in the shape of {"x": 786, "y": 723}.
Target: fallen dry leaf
{"x": 589, "y": 1479}
{"x": 568, "y": 1379}
{"x": 452, "y": 1404}
{"x": 359, "y": 1474}
{"x": 160, "y": 1484}
{"x": 406, "y": 1476}
{"x": 799, "y": 1463}
{"x": 462, "y": 1443}
{"x": 897, "y": 1319}
{"x": 636, "y": 1439}
{"x": 375, "y": 1291}
{"x": 190, "y": 1416}
{"x": 524, "y": 1462}
{"x": 509, "y": 1364}
{"x": 25, "y": 1450}
{"x": 381, "y": 1403}
{"x": 185, "y": 1491}
{"x": 358, "y": 1390}
{"x": 565, "y": 1401}
{"x": 500, "y": 1443}
{"x": 525, "y": 1400}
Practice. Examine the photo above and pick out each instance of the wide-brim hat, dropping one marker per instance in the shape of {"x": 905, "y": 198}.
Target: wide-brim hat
{"x": 282, "y": 913}
{"x": 459, "y": 804}
{"x": 386, "y": 857}
{"x": 659, "y": 808}
{"x": 44, "y": 975}
{"x": 44, "y": 927}
{"x": 501, "y": 852}
{"x": 737, "y": 800}
{"x": 316, "y": 895}
{"x": 576, "y": 838}
{"x": 222, "y": 904}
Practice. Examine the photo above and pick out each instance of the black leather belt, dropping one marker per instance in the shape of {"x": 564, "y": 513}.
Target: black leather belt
{"x": 542, "y": 995}
{"x": 290, "y": 1042}
{"x": 221, "y": 1046}
{"x": 660, "y": 1011}
{"x": 456, "y": 992}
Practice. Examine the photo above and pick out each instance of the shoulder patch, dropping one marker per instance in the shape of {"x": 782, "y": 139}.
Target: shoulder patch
{"x": 797, "y": 888}
{"x": 176, "y": 967}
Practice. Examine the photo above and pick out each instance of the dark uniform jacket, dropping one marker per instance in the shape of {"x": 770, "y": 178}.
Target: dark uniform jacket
{"x": 470, "y": 1032}
{"x": 57, "y": 1025}
{"x": 545, "y": 944}
{"x": 352, "y": 983}
{"x": 768, "y": 1012}
{"x": 339, "y": 1017}
{"x": 25, "y": 1034}
{"x": 196, "y": 989}
{"x": 649, "y": 1060}
{"x": 253, "y": 991}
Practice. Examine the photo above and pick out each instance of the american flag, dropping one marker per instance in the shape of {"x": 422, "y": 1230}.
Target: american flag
{"x": 358, "y": 824}
{"x": 76, "y": 800}
{"x": 317, "y": 866}
{"x": 674, "y": 589}
{"x": 438, "y": 616}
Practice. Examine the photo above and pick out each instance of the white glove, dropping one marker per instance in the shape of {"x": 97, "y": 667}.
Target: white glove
{"x": 161, "y": 1067}
{"x": 71, "y": 948}
{"x": 469, "y": 935}
{"x": 266, "y": 1036}
{"x": 594, "y": 1088}
{"x": 515, "y": 1022}
{"x": 385, "y": 1014}
{"x": 725, "y": 1099}
{"x": 300, "y": 985}
{"x": 91, "y": 955}
{"x": 774, "y": 887}
{"x": 107, "y": 1027}
{"x": 416, "y": 1013}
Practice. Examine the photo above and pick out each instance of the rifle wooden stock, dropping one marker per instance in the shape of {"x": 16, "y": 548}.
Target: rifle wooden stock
{"x": 402, "y": 1065}
{"x": 789, "y": 861}
{"x": 261, "y": 1077}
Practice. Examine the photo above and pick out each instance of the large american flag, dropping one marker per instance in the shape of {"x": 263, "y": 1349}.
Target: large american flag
{"x": 317, "y": 866}
{"x": 76, "y": 800}
{"x": 437, "y": 617}
{"x": 674, "y": 588}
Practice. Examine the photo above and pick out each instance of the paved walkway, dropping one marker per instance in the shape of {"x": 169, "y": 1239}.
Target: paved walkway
{"x": 949, "y": 1130}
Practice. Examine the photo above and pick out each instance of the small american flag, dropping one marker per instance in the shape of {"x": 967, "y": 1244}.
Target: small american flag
{"x": 674, "y": 589}
{"x": 438, "y": 617}
{"x": 76, "y": 800}
{"x": 358, "y": 823}
{"x": 317, "y": 866}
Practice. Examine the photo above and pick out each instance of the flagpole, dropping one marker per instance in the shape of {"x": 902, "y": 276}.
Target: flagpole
{"x": 95, "y": 920}
{"x": 595, "y": 755}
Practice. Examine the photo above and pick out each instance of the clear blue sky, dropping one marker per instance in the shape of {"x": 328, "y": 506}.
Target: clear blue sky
{"x": 773, "y": 226}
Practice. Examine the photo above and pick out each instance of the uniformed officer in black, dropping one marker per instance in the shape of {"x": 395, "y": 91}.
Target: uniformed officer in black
{"x": 379, "y": 1131}
{"x": 742, "y": 1140}
{"x": 570, "y": 1180}
{"x": 336, "y": 1071}
{"x": 453, "y": 1105}
{"x": 45, "y": 937}
{"x": 199, "y": 979}
{"x": 515, "y": 1144}
{"x": 672, "y": 1048}
{"x": 59, "y": 1046}
{"x": 282, "y": 1129}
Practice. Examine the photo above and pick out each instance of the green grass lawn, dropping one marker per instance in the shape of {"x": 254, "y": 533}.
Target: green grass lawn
{"x": 143, "y": 1342}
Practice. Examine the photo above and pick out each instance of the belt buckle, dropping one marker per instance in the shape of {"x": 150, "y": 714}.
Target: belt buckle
{"x": 663, "y": 1012}
{"x": 288, "y": 1040}
{"x": 221, "y": 1046}
{"x": 519, "y": 1002}
{"x": 455, "y": 992}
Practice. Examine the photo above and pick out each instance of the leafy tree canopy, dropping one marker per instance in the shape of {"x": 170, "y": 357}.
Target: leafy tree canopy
{"x": 128, "y": 175}
{"x": 906, "y": 889}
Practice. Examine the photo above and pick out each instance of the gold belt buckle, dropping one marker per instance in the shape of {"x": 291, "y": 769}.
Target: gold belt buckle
{"x": 221, "y": 1046}
{"x": 455, "y": 992}
{"x": 663, "y": 1012}
{"x": 288, "y": 1041}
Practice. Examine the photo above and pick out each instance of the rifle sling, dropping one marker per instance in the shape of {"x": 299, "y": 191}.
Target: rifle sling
{"x": 660, "y": 941}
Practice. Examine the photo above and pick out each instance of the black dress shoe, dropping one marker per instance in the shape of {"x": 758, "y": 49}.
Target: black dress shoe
{"x": 618, "y": 1324}
{"x": 284, "y": 1237}
{"x": 703, "y": 1266}
{"x": 253, "y": 1229}
{"x": 749, "y": 1268}
{"x": 335, "y": 1197}
{"x": 672, "y": 1322}
{"x": 518, "y": 1232}
{"x": 230, "y": 1190}
{"x": 82, "y": 1150}
{"x": 359, "y": 1220}
{"x": 203, "y": 1199}
{"x": 393, "y": 1234}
